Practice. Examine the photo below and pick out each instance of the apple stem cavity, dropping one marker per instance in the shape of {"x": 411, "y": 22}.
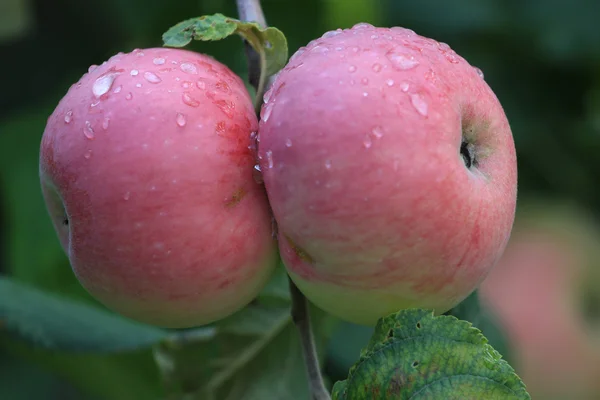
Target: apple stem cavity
{"x": 301, "y": 318}
{"x": 251, "y": 10}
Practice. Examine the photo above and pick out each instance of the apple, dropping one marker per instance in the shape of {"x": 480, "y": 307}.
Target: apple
{"x": 390, "y": 168}
{"x": 147, "y": 175}
{"x": 539, "y": 290}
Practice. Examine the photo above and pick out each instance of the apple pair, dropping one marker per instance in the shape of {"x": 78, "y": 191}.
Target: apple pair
{"x": 388, "y": 165}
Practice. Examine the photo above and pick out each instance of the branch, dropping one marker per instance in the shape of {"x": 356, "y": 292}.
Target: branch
{"x": 301, "y": 317}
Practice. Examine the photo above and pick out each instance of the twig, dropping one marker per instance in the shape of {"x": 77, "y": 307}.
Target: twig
{"x": 301, "y": 317}
{"x": 250, "y": 10}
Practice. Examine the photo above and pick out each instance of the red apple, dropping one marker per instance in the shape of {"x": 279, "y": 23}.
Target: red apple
{"x": 391, "y": 171}
{"x": 147, "y": 175}
{"x": 538, "y": 292}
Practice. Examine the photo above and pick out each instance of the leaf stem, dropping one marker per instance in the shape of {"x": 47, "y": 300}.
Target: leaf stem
{"x": 301, "y": 318}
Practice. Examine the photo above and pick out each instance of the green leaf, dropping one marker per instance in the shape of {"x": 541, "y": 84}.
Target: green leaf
{"x": 57, "y": 323}
{"x": 471, "y": 310}
{"x": 270, "y": 43}
{"x": 254, "y": 355}
{"x": 415, "y": 355}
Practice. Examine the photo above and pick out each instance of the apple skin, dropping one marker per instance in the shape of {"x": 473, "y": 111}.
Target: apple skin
{"x": 360, "y": 150}
{"x": 537, "y": 291}
{"x": 147, "y": 157}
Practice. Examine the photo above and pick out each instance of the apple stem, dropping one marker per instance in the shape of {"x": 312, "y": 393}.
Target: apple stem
{"x": 301, "y": 318}
{"x": 251, "y": 10}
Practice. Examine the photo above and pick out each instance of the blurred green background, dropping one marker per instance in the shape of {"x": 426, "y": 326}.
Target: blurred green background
{"x": 542, "y": 58}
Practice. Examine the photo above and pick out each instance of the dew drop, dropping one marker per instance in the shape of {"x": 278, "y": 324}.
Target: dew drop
{"x": 127, "y": 195}
{"x": 365, "y": 94}
{"x": 328, "y": 164}
{"x": 297, "y": 54}
{"x": 269, "y": 155}
{"x": 228, "y": 107}
{"x": 88, "y": 154}
{"x": 479, "y": 72}
{"x": 201, "y": 84}
{"x": 138, "y": 85}
{"x": 134, "y": 72}
{"x": 265, "y": 112}
{"x": 158, "y": 61}
{"x": 362, "y": 25}
{"x": 377, "y": 132}
{"x": 419, "y": 104}
{"x": 389, "y": 82}
{"x": 367, "y": 143}
{"x": 118, "y": 89}
{"x": 352, "y": 68}
{"x": 401, "y": 61}
{"x": 377, "y": 67}
{"x": 364, "y": 81}
{"x": 404, "y": 86}
{"x": 222, "y": 86}
{"x": 189, "y": 68}
{"x": 105, "y": 123}
{"x": 189, "y": 100}
{"x": 88, "y": 131}
{"x": 92, "y": 68}
{"x": 129, "y": 96}
{"x": 257, "y": 174}
{"x": 331, "y": 33}
{"x": 94, "y": 103}
{"x": 152, "y": 77}
{"x": 288, "y": 143}
{"x": 180, "y": 119}
{"x": 254, "y": 140}
{"x": 104, "y": 82}
{"x": 68, "y": 117}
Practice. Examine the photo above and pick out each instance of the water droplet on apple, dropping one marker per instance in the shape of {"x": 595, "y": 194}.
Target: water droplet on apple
{"x": 362, "y": 25}
{"x": 377, "y": 132}
{"x": 288, "y": 143}
{"x": 377, "y": 67}
{"x": 180, "y": 119}
{"x": 352, "y": 68}
{"x": 265, "y": 112}
{"x": 88, "y": 154}
{"x": 134, "y": 72}
{"x": 92, "y": 68}
{"x": 269, "y": 155}
{"x": 419, "y": 103}
{"x": 257, "y": 174}
{"x": 104, "y": 82}
{"x": 189, "y": 68}
{"x": 364, "y": 81}
{"x": 367, "y": 142}
{"x": 158, "y": 61}
{"x": 227, "y": 107}
{"x": 389, "y": 82}
{"x": 94, "y": 103}
{"x": 105, "y": 123}
{"x": 68, "y": 117}
{"x": 118, "y": 89}
{"x": 152, "y": 77}
{"x": 138, "y": 85}
{"x": 479, "y": 72}
{"x": 401, "y": 61}
{"x": 404, "y": 86}
{"x": 331, "y": 33}
{"x": 189, "y": 100}
{"x": 88, "y": 131}
{"x": 328, "y": 164}
{"x": 220, "y": 127}
{"x": 126, "y": 196}
{"x": 129, "y": 96}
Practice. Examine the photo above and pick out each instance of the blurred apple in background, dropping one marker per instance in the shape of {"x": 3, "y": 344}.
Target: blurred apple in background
{"x": 545, "y": 292}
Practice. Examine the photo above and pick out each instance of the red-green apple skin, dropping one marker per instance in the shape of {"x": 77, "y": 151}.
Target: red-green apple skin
{"x": 537, "y": 291}
{"x": 147, "y": 174}
{"x": 360, "y": 150}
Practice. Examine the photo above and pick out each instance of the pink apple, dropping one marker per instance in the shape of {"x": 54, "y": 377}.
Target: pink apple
{"x": 147, "y": 175}
{"x": 391, "y": 171}
{"x": 538, "y": 292}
